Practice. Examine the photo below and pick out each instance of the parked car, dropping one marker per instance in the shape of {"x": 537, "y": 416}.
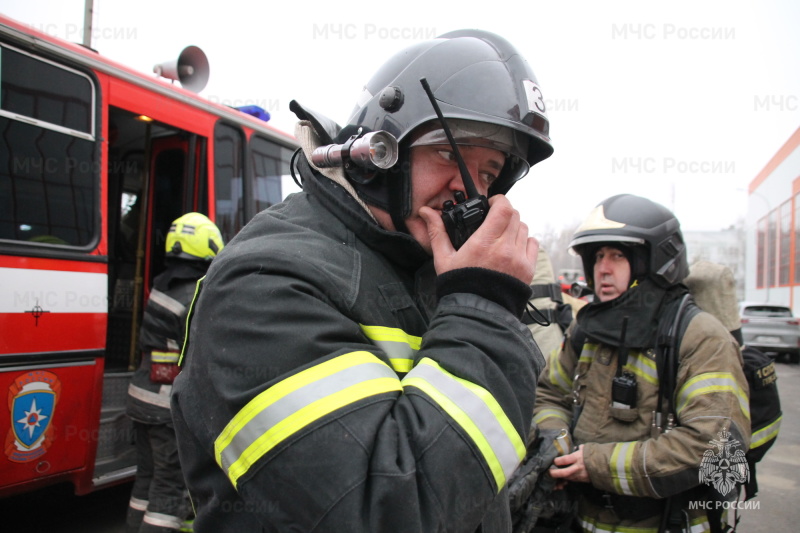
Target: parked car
{"x": 772, "y": 329}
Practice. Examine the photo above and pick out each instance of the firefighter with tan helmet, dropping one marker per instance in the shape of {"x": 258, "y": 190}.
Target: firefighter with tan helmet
{"x": 159, "y": 502}
{"x": 639, "y": 451}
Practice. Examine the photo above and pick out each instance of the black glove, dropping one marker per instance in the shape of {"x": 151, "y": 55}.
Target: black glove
{"x": 530, "y": 485}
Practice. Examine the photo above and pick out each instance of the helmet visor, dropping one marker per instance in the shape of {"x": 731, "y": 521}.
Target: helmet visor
{"x": 472, "y": 133}
{"x": 511, "y": 142}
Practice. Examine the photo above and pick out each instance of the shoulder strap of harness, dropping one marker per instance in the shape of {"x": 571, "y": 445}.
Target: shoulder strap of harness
{"x": 671, "y": 328}
{"x": 561, "y": 314}
{"x": 549, "y": 290}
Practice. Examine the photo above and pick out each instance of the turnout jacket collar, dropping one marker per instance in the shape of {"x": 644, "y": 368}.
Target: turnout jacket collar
{"x": 642, "y": 305}
{"x": 179, "y": 270}
{"x": 400, "y": 248}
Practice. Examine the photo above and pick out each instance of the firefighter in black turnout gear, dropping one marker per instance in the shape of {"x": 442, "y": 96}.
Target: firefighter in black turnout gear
{"x": 349, "y": 369}
{"x": 159, "y": 501}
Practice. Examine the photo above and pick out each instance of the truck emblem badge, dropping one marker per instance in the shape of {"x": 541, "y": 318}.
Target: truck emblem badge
{"x": 32, "y": 400}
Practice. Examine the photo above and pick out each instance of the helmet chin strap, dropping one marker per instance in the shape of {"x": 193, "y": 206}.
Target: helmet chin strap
{"x": 400, "y": 186}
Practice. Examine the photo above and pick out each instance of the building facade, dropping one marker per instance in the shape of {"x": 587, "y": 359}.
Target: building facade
{"x": 772, "y": 262}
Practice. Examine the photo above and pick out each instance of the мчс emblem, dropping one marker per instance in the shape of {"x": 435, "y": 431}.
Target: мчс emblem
{"x": 726, "y": 468}
{"x": 32, "y": 399}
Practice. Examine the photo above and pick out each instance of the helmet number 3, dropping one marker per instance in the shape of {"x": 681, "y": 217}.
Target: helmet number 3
{"x": 535, "y": 97}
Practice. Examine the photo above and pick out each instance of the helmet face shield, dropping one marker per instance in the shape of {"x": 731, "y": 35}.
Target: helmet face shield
{"x": 472, "y": 133}
{"x": 510, "y": 142}
{"x": 599, "y": 238}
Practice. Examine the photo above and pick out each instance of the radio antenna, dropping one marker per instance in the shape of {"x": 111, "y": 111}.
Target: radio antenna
{"x": 469, "y": 185}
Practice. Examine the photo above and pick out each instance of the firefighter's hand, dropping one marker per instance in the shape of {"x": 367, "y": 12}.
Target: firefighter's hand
{"x": 501, "y": 243}
{"x": 570, "y": 468}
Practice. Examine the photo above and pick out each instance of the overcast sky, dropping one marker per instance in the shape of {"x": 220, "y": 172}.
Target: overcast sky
{"x": 683, "y": 102}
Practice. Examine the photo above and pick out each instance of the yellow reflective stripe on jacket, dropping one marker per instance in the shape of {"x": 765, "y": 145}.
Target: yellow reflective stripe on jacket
{"x": 587, "y": 353}
{"x": 478, "y": 414}
{"x": 554, "y": 353}
{"x": 642, "y": 366}
{"x": 396, "y": 343}
{"x": 696, "y": 525}
{"x": 710, "y": 383}
{"x": 621, "y": 468}
{"x": 544, "y": 414}
{"x": 164, "y": 357}
{"x": 765, "y": 434}
{"x": 296, "y": 402}
{"x": 558, "y": 376}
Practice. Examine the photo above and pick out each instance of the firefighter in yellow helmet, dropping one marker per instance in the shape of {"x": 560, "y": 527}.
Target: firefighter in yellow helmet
{"x": 159, "y": 501}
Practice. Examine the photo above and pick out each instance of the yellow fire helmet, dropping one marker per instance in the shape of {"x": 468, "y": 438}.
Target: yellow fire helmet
{"x": 194, "y": 236}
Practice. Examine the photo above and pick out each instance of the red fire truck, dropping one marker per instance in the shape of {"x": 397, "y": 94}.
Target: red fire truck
{"x": 96, "y": 160}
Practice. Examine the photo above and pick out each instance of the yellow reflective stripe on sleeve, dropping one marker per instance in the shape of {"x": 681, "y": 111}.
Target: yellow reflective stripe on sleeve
{"x": 381, "y": 333}
{"x": 401, "y": 366}
{"x": 477, "y": 412}
{"x": 558, "y": 376}
{"x": 544, "y": 414}
{"x": 164, "y": 357}
{"x": 642, "y": 366}
{"x": 699, "y": 525}
{"x": 620, "y": 465}
{"x": 710, "y": 383}
{"x": 396, "y": 343}
{"x": 296, "y": 402}
{"x": 589, "y": 523}
{"x": 765, "y": 434}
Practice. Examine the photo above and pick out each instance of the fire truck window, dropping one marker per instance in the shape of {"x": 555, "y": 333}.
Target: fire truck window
{"x": 269, "y": 162}
{"x": 46, "y": 92}
{"x": 48, "y": 191}
{"x": 48, "y": 158}
{"x": 228, "y": 184}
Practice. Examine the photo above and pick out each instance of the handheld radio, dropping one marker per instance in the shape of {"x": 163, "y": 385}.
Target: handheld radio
{"x": 462, "y": 217}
